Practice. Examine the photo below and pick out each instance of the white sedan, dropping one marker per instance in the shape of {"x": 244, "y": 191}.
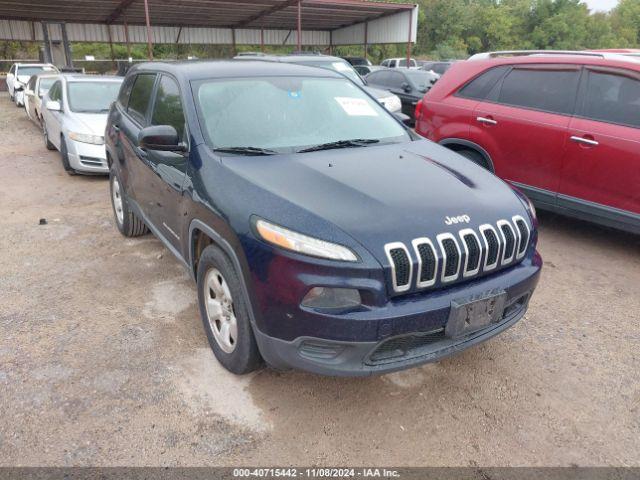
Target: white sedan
{"x": 19, "y": 75}
{"x": 75, "y": 118}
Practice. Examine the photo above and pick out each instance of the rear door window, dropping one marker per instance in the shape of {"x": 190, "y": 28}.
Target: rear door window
{"x": 479, "y": 87}
{"x": 167, "y": 109}
{"x": 125, "y": 91}
{"x": 613, "y": 97}
{"x": 547, "y": 88}
{"x": 378, "y": 78}
{"x": 140, "y": 97}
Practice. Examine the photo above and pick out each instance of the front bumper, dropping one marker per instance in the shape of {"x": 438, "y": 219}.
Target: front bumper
{"x": 404, "y": 333}
{"x": 87, "y": 158}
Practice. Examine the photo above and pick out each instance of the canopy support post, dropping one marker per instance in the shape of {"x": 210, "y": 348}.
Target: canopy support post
{"x": 148, "y": 21}
{"x": 299, "y": 25}
{"x": 410, "y": 38}
{"x": 126, "y": 37}
{"x": 366, "y": 39}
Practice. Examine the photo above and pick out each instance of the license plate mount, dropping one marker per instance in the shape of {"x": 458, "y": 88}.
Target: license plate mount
{"x": 475, "y": 313}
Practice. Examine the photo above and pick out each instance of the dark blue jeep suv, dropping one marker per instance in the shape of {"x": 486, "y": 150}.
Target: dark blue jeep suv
{"x": 322, "y": 233}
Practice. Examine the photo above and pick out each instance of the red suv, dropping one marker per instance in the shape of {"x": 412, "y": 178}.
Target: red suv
{"x": 564, "y": 127}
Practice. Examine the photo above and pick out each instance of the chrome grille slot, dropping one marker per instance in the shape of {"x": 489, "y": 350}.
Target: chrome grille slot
{"x": 427, "y": 262}
{"x": 524, "y": 234}
{"x": 401, "y": 266}
{"x": 450, "y": 257}
{"x": 509, "y": 241}
{"x": 492, "y": 246}
{"x": 473, "y": 252}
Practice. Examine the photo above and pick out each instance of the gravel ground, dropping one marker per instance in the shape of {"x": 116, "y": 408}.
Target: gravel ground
{"x": 103, "y": 359}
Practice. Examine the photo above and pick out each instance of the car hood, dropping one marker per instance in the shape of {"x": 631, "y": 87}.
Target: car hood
{"x": 387, "y": 193}
{"x": 92, "y": 123}
{"x": 377, "y": 93}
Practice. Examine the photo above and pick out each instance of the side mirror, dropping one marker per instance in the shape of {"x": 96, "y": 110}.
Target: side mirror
{"x": 53, "y": 106}
{"x": 163, "y": 138}
{"x": 406, "y": 87}
{"x": 28, "y": 91}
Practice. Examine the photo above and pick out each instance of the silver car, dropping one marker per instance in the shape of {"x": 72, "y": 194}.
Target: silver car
{"x": 34, "y": 93}
{"x": 75, "y": 117}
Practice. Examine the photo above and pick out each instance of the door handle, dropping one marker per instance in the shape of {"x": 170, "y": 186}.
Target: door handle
{"x": 487, "y": 121}
{"x": 116, "y": 128}
{"x": 585, "y": 141}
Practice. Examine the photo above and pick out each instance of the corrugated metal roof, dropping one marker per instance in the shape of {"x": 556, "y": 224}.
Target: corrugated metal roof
{"x": 271, "y": 14}
{"x": 387, "y": 23}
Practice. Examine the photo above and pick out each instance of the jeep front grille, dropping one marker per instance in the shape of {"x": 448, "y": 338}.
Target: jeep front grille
{"x": 454, "y": 257}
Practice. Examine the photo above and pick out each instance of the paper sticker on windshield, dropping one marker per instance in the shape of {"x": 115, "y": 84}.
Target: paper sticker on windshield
{"x": 341, "y": 67}
{"x": 356, "y": 107}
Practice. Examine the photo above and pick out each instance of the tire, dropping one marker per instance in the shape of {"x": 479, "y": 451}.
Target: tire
{"x": 475, "y": 157}
{"x": 127, "y": 222}
{"x": 47, "y": 142}
{"x": 219, "y": 282}
{"x": 64, "y": 155}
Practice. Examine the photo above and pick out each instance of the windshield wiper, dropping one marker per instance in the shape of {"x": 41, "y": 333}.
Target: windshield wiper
{"x": 246, "y": 150}
{"x": 356, "y": 142}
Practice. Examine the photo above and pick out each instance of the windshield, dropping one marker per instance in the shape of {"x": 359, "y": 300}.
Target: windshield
{"x": 45, "y": 85}
{"x": 29, "y": 71}
{"x": 288, "y": 114}
{"x": 337, "y": 66}
{"x": 92, "y": 97}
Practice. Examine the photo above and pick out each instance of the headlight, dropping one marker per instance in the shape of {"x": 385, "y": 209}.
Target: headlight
{"x": 297, "y": 242}
{"x": 528, "y": 204}
{"x": 532, "y": 209}
{"x": 392, "y": 103}
{"x": 86, "y": 138}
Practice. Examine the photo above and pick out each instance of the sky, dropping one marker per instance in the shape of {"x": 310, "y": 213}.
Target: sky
{"x": 601, "y": 5}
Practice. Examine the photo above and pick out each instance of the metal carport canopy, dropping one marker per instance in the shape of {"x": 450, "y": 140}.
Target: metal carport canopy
{"x": 254, "y": 22}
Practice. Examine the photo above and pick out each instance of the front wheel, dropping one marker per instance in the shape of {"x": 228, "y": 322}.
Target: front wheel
{"x": 127, "y": 222}
{"x": 225, "y": 313}
{"x": 64, "y": 153}
{"x": 45, "y": 134}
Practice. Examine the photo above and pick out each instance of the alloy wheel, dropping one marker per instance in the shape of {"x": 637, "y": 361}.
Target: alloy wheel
{"x": 117, "y": 200}
{"x": 220, "y": 311}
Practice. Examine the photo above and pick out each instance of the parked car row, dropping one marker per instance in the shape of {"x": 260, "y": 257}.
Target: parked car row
{"x": 564, "y": 127}
{"x": 322, "y": 233}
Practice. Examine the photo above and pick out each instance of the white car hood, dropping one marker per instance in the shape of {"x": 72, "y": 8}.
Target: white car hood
{"x": 91, "y": 123}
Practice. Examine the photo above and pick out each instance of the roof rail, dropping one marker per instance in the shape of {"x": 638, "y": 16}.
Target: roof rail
{"x": 523, "y": 53}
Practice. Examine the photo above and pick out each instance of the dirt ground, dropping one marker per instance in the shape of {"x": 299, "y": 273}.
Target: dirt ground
{"x": 104, "y": 361}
